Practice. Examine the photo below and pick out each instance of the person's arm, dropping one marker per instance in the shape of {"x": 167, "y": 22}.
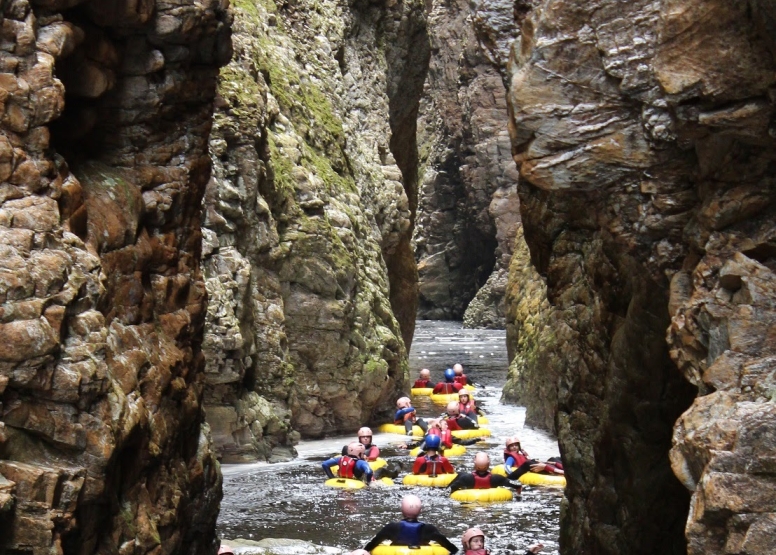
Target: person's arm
{"x": 366, "y": 470}
{"x": 510, "y": 462}
{"x": 401, "y": 412}
{"x": 470, "y": 441}
{"x": 327, "y": 464}
{"x": 429, "y": 533}
{"x": 462, "y": 481}
{"x": 374, "y": 452}
{"x": 447, "y": 468}
{"x": 388, "y": 532}
{"x": 500, "y": 481}
{"x": 467, "y": 423}
{"x": 419, "y": 467}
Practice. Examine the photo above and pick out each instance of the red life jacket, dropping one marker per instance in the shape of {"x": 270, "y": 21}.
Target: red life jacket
{"x": 346, "y": 466}
{"x": 519, "y": 457}
{"x": 461, "y": 379}
{"x": 446, "y": 388}
{"x": 452, "y": 424}
{"x": 422, "y": 383}
{"x": 477, "y": 552}
{"x": 371, "y": 453}
{"x": 433, "y": 466}
{"x": 447, "y": 438}
{"x": 468, "y": 408}
{"x": 482, "y": 482}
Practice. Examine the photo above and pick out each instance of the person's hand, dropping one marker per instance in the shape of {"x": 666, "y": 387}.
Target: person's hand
{"x": 538, "y": 467}
{"x": 403, "y": 446}
{"x": 536, "y": 548}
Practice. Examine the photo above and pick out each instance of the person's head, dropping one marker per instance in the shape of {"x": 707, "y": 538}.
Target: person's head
{"x": 463, "y": 396}
{"x": 432, "y": 442}
{"x": 458, "y": 369}
{"x": 356, "y": 449}
{"x": 425, "y": 374}
{"x": 442, "y": 424}
{"x": 473, "y": 538}
{"x": 403, "y": 402}
{"x": 410, "y": 506}
{"x": 481, "y": 462}
{"x": 453, "y": 408}
{"x": 513, "y": 444}
{"x": 225, "y": 550}
{"x": 449, "y": 375}
{"x": 365, "y": 436}
{"x": 433, "y": 423}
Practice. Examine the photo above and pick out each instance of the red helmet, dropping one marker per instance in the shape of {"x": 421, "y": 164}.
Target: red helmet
{"x": 364, "y": 432}
{"x": 453, "y": 408}
{"x": 355, "y": 449}
{"x": 481, "y": 461}
{"x": 469, "y": 535}
{"x": 402, "y": 402}
{"x": 511, "y": 441}
{"x": 410, "y": 506}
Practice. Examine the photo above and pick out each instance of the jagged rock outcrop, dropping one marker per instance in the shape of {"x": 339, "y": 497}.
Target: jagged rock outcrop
{"x": 105, "y": 111}
{"x": 644, "y": 132}
{"x": 309, "y": 210}
{"x": 468, "y": 208}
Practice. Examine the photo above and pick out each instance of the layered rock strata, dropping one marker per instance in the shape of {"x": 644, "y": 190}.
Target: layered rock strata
{"x": 644, "y": 132}
{"x": 308, "y": 218}
{"x": 468, "y": 208}
{"x": 105, "y": 111}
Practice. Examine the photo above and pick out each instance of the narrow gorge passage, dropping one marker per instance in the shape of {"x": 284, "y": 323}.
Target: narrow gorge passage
{"x": 290, "y": 500}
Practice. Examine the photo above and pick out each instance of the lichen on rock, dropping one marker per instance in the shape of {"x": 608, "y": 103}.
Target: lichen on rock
{"x": 309, "y": 202}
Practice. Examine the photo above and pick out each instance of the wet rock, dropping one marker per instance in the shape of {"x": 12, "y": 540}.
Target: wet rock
{"x": 103, "y": 446}
{"x": 642, "y": 134}
{"x": 308, "y": 211}
{"x": 468, "y": 208}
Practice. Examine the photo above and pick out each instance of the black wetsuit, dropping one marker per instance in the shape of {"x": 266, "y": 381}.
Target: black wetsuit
{"x": 466, "y": 481}
{"x": 427, "y": 533}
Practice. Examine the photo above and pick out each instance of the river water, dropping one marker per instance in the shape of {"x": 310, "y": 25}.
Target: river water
{"x": 289, "y": 500}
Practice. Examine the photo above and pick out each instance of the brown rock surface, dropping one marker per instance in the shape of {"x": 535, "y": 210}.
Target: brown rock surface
{"x": 468, "y": 207}
{"x": 309, "y": 209}
{"x": 103, "y": 447}
{"x": 645, "y": 139}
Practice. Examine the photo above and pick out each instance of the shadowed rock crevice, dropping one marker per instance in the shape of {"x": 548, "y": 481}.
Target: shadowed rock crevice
{"x": 646, "y": 156}
{"x": 102, "y": 440}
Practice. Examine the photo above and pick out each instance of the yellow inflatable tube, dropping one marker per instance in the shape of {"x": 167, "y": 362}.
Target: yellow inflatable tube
{"x": 397, "y": 429}
{"x": 534, "y": 478}
{"x": 454, "y": 451}
{"x": 470, "y": 434}
{"x": 441, "y": 481}
{"x": 374, "y": 465}
{"x": 344, "y": 483}
{"x": 491, "y": 495}
{"x": 470, "y": 387}
{"x": 432, "y": 549}
{"x": 444, "y": 398}
{"x": 420, "y": 391}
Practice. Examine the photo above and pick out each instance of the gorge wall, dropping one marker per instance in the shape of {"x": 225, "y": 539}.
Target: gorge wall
{"x": 308, "y": 219}
{"x": 105, "y": 111}
{"x": 468, "y": 211}
{"x": 644, "y": 132}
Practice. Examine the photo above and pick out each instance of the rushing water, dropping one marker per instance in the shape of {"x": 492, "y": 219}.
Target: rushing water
{"x": 290, "y": 501}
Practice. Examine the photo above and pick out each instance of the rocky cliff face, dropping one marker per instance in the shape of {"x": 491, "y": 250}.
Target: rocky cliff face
{"x": 644, "y": 132}
{"x": 105, "y": 110}
{"x": 468, "y": 208}
{"x": 308, "y": 219}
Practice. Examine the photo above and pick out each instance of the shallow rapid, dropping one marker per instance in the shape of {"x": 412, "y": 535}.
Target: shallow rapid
{"x": 289, "y": 500}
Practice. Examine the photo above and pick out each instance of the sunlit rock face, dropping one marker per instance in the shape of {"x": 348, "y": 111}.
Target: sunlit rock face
{"x": 308, "y": 218}
{"x": 468, "y": 210}
{"x": 105, "y": 111}
{"x": 644, "y": 133}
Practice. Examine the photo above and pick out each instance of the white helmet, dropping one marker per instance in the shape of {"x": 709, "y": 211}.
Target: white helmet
{"x": 364, "y": 432}
{"x": 453, "y": 408}
{"x": 425, "y": 373}
{"x": 403, "y": 402}
{"x": 481, "y": 461}
{"x": 355, "y": 449}
{"x": 410, "y": 506}
{"x": 470, "y": 534}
